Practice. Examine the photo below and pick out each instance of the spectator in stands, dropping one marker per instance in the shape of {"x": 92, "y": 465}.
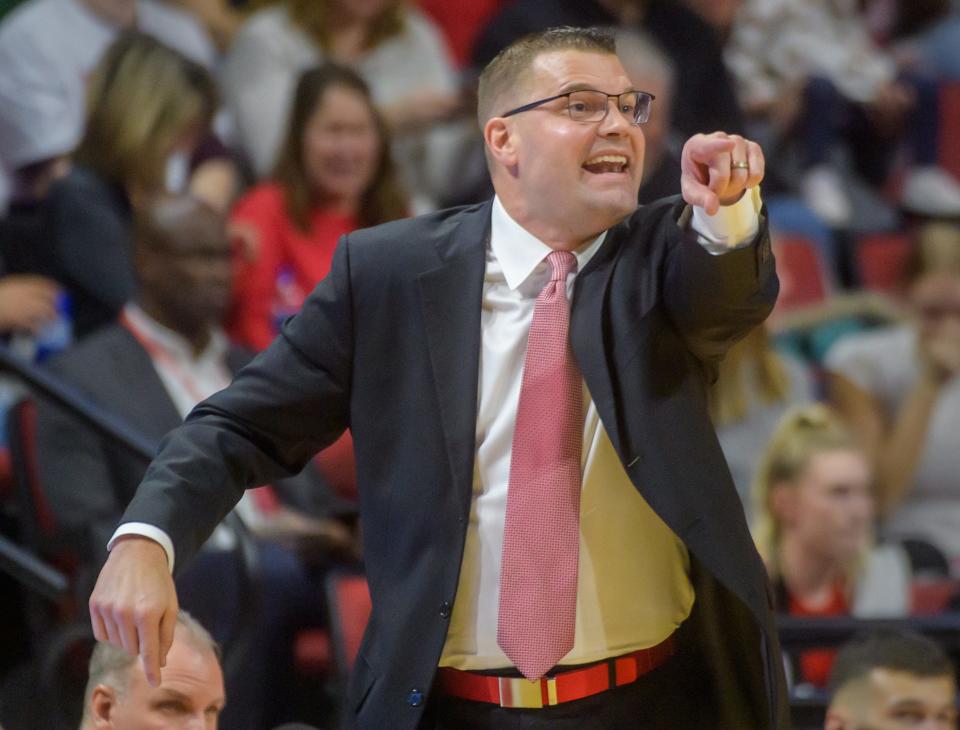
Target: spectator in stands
{"x": 397, "y": 51}
{"x": 892, "y": 682}
{"x": 811, "y": 65}
{"x": 813, "y": 527}
{"x": 48, "y": 49}
{"x": 899, "y": 387}
{"x": 334, "y": 175}
{"x": 755, "y": 387}
{"x": 191, "y": 694}
{"x": 149, "y": 108}
{"x": 166, "y": 353}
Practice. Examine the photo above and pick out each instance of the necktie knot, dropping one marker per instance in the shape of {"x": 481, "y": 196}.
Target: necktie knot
{"x": 561, "y": 263}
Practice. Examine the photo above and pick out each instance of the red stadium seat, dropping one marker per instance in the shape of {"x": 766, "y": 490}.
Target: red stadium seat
{"x": 804, "y": 278}
{"x": 949, "y": 142}
{"x": 881, "y": 260}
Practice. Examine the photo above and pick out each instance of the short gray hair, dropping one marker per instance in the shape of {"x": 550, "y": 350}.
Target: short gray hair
{"x": 110, "y": 664}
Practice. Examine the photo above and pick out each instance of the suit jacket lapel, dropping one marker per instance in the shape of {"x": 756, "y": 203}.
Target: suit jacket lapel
{"x": 451, "y": 297}
{"x": 588, "y": 335}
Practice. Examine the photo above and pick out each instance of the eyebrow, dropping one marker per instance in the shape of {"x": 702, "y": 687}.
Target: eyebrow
{"x": 582, "y": 86}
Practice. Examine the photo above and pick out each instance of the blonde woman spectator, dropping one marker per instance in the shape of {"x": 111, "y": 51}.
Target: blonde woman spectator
{"x": 755, "y": 386}
{"x": 813, "y": 528}
{"x": 900, "y": 388}
{"x": 396, "y": 50}
{"x": 149, "y": 109}
{"x": 49, "y": 48}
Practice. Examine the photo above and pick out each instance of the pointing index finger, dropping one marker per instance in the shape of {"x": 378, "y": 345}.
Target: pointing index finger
{"x": 705, "y": 150}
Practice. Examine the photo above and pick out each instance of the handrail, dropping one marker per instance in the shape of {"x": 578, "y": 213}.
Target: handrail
{"x": 29, "y": 569}
{"x": 805, "y": 632}
{"x": 79, "y": 405}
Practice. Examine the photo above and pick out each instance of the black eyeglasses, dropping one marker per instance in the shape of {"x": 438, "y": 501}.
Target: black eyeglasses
{"x": 590, "y": 105}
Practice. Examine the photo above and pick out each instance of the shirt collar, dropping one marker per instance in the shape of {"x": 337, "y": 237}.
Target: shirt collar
{"x": 175, "y": 343}
{"x": 519, "y": 251}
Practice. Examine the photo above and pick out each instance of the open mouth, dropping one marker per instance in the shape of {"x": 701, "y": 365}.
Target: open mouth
{"x": 606, "y": 163}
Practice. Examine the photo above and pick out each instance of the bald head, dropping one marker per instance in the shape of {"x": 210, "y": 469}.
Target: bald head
{"x": 176, "y": 220}
{"x": 183, "y": 265}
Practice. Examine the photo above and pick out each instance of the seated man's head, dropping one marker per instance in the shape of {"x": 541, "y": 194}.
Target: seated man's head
{"x": 183, "y": 265}
{"x": 190, "y": 694}
{"x": 890, "y": 682}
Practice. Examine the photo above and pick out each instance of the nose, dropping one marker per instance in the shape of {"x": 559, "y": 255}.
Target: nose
{"x": 616, "y": 122}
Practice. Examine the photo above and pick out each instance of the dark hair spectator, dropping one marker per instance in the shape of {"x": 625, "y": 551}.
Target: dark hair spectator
{"x": 395, "y": 48}
{"x": 334, "y": 174}
{"x": 892, "y": 680}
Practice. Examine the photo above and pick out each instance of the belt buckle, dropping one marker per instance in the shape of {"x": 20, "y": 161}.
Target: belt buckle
{"x": 520, "y": 692}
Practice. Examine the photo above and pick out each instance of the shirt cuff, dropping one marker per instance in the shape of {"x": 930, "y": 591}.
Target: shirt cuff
{"x": 733, "y": 226}
{"x": 144, "y": 530}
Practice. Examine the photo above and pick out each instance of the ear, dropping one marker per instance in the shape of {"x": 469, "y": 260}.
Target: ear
{"x": 783, "y": 500}
{"x": 103, "y": 701}
{"x": 500, "y": 138}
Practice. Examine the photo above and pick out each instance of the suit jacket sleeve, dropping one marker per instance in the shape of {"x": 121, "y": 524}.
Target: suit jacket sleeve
{"x": 286, "y": 405}
{"x": 715, "y": 299}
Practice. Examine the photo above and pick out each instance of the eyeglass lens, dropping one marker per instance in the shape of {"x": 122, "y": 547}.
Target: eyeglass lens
{"x": 591, "y": 106}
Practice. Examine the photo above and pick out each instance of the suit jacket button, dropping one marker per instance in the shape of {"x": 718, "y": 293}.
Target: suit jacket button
{"x": 445, "y": 609}
{"x": 415, "y": 698}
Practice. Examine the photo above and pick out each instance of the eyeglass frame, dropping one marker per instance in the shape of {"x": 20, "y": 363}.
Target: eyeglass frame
{"x": 540, "y": 102}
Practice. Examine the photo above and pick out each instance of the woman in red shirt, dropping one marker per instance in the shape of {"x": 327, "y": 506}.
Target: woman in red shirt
{"x": 814, "y": 529}
{"x": 334, "y": 175}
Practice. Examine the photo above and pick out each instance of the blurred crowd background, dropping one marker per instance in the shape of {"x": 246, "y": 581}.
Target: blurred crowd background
{"x": 175, "y": 175}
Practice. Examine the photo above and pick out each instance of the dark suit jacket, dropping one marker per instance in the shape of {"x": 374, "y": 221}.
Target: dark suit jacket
{"x": 388, "y": 344}
{"x": 89, "y": 480}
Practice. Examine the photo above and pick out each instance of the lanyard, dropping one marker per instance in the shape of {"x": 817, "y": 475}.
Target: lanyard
{"x": 161, "y": 355}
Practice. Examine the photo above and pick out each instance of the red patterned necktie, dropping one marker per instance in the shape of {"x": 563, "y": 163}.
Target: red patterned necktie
{"x": 541, "y": 536}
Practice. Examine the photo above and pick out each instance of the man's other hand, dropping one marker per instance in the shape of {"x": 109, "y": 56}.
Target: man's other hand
{"x": 715, "y": 169}
{"x": 134, "y": 604}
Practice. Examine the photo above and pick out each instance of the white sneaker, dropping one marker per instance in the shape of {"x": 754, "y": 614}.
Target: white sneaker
{"x": 823, "y": 190}
{"x": 931, "y": 191}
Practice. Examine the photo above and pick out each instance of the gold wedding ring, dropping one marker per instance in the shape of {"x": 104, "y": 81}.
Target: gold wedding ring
{"x": 740, "y": 165}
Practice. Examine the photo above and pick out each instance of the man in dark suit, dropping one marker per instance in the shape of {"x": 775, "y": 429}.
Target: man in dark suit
{"x": 428, "y": 340}
{"x": 166, "y": 352}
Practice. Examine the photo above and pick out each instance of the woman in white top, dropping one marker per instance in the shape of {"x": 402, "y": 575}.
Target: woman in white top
{"x": 899, "y": 387}
{"x": 397, "y": 51}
